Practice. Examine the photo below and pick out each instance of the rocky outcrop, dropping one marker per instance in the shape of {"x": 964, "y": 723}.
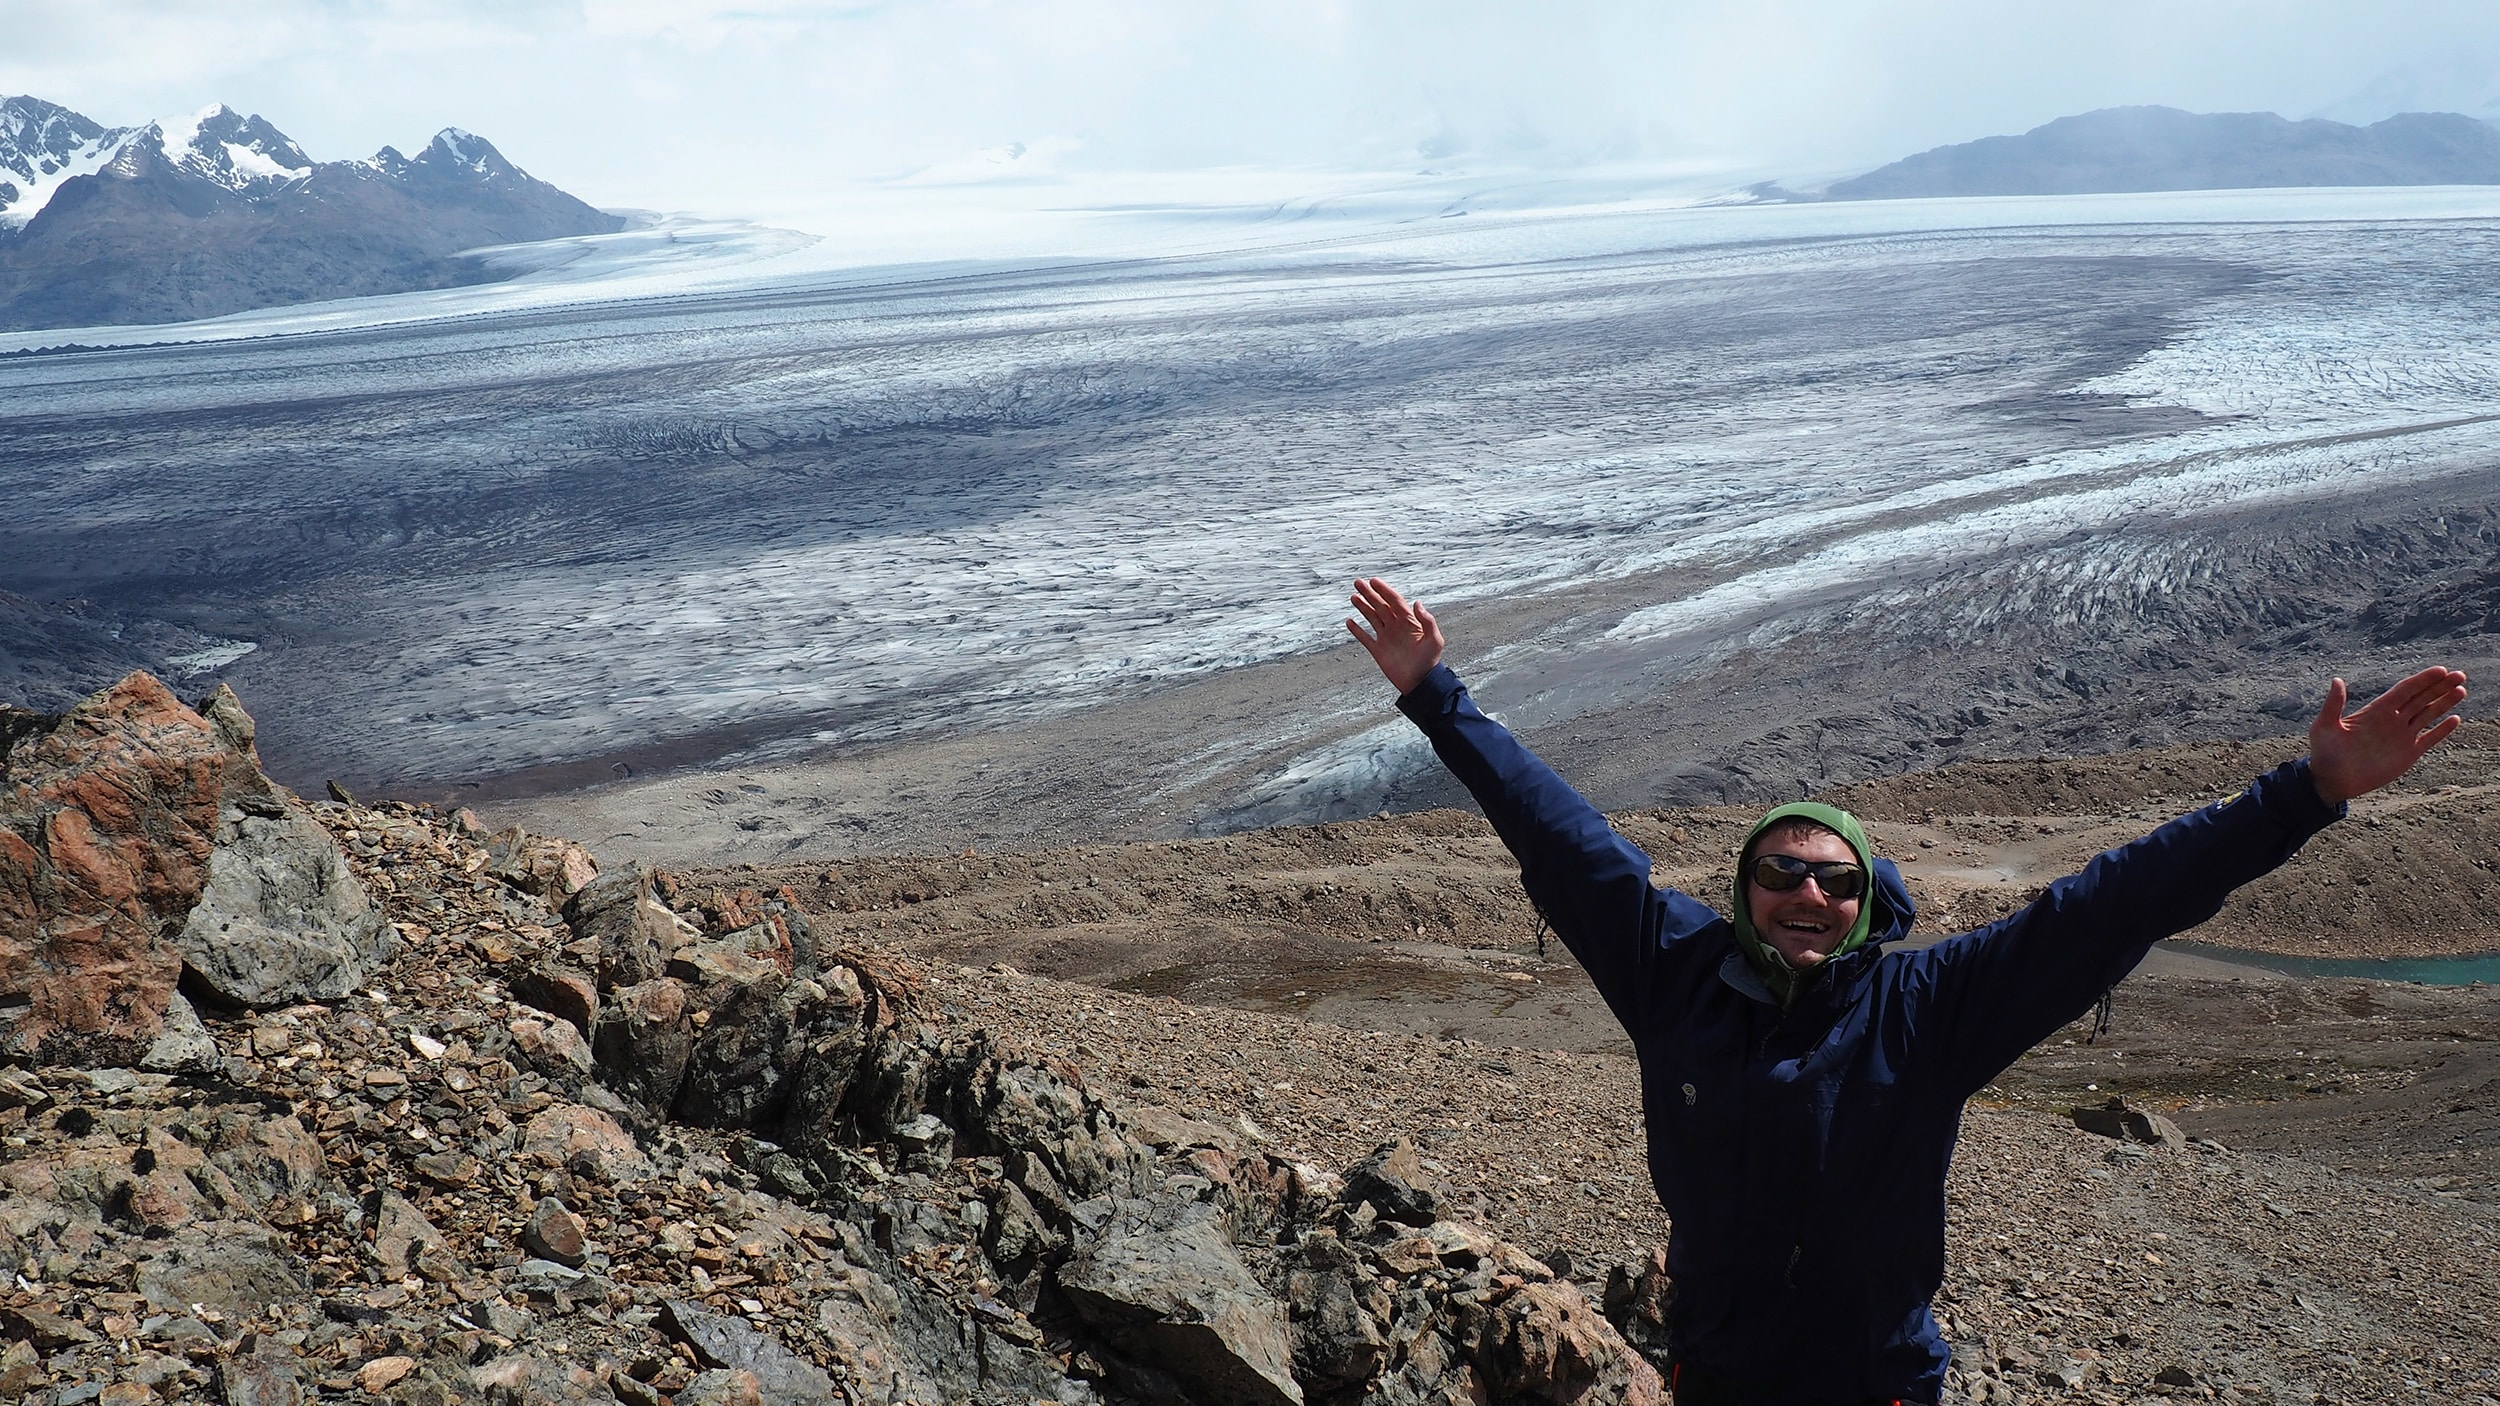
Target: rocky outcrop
{"x": 737, "y": 1168}
{"x": 281, "y": 919}
{"x": 137, "y": 837}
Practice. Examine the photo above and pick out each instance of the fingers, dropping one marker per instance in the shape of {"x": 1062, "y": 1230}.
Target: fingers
{"x": 2424, "y": 695}
{"x": 2436, "y": 735}
{"x": 2439, "y": 690}
{"x": 1387, "y": 611}
{"x": 2331, "y": 712}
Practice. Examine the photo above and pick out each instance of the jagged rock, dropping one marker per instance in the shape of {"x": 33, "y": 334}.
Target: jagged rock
{"x": 1544, "y": 1341}
{"x": 721, "y": 963}
{"x": 634, "y": 930}
{"x": 733, "y": 1386}
{"x": 555, "y": 1233}
{"x": 585, "y": 1142}
{"x": 553, "y": 1046}
{"x": 1392, "y": 1180}
{"x": 108, "y": 816}
{"x": 926, "y": 1143}
{"x": 281, "y": 919}
{"x": 272, "y": 1163}
{"x": 1637, "y": 1301}
{"x": 546, "y": 867}
{"x": 2115, "y": 1119}
{"x": 260, "y": 1379}
{"x": 561, "y": 992}
{"x": 758, "y": 1034}
{"x": 400, "y": 1233}
{"x": 233, "y": 1269}
{"x": 182, "y": 1045}
{"x": 1167, "y": 1288}
{"x": 728, "y": 1344}
{"x": 1338, "y": 1310}
{"x": 644, "y": 1038}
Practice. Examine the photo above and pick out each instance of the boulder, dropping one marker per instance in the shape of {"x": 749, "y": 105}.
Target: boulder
{"x": 1545, "y": 1342}
{"x": 2115, "y": 1119}
{"x": 728, "y": 1344}
{"x": 401, "y": 1233}
{"x": 634, "y": 931}
{"x": 228, "y": 1268}
{"x": 555, "y": 1233}
{"x": 1392, "y": 1179}
{"x": 756, "y": 1037}
{"x": 547, "y": 867}
{"x": 562, "y": 992}
{"x": 585, "y": 1142}
{"x": 644, "y": 1037}
{"x": 553, "y": 1047}
{"x": 723, "y": 962}
{"x": 1167, "y": 1288}
{"x": 272, "y": 1162}
{"x": 183, "y": 1045}
{"x": 1337, "y": 1336}
{"x": 108, "y": 816}
{"x": 281, "y": 920}
{"x": 268, "y": 1378}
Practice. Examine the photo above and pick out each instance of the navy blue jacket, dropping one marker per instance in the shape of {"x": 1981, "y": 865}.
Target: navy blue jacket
{"x": 1801, "y": 1154}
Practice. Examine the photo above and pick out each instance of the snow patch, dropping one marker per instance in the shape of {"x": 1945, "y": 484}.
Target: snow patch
{"x": 177, "y": 136}
{"x": 209, "y": 659}
{"x": 37, "y": 192}
{"x": 254, "y": 165}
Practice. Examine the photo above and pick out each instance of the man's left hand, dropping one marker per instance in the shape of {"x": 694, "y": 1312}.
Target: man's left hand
{"x": 2354, "y": 755}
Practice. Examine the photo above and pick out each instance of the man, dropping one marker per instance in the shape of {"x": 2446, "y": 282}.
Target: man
{"x": 1802, "y": 1088}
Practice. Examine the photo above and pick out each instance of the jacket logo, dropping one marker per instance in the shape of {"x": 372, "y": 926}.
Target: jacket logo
{"x": 1690, "y": 1095}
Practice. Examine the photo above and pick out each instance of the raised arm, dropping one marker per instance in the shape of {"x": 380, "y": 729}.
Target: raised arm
{"x": 1996, "y": 992}
{"x": 1590, "y": 882}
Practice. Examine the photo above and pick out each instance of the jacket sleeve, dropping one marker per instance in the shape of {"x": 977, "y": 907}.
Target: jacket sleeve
{"x": 1588, "y": 881}
{"x": 1991, "y": 994}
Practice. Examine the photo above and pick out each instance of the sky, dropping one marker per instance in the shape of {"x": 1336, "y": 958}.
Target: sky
{"x": 789, "y": 109}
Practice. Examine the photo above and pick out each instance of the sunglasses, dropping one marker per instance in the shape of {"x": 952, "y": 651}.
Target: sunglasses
{"x": 1839, "y": 879}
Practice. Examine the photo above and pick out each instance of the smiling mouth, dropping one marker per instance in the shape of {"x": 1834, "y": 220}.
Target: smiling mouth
{"x": 1804, "y": 925}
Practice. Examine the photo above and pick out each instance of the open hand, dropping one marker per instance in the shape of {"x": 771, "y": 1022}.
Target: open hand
{"x": 1404, "y": 640}
{"x": 2355, "y": 755}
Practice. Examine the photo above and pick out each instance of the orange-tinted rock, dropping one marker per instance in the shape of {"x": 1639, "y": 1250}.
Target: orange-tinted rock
{"x": 108, "y": 816}
{"x": 562, "y": 992}
{"x": 584, "y": 1141}
{"x": 554, "y": 869}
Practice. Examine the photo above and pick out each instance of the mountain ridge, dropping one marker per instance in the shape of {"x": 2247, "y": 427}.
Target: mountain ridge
{"x": 218, "y": 212}
{"x": 2152, "y": 148}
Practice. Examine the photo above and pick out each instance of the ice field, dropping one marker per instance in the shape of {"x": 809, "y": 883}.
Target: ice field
{"x": 711, "y": 486}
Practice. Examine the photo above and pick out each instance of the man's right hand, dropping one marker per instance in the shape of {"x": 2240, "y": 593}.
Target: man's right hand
{"x": 1404, "y": 639}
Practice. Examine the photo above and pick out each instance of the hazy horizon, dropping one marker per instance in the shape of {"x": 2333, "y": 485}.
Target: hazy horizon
{"x": 801, "y": 111}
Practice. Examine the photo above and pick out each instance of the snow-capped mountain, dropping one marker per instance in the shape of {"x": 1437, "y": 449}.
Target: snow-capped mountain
{"x": 225, "y": 148}
{"x": 43, "y": 146}
{"x": 216, "y": 211}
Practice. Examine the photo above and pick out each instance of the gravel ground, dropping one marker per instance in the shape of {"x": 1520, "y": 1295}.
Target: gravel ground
{"x": 2089, "y": 1273}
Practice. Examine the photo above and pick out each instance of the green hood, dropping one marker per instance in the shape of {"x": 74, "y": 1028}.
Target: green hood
{"x": 1782, "y": 978}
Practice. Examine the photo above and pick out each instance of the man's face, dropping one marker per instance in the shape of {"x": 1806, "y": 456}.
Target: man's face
{"x": 1803, "y": 925}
